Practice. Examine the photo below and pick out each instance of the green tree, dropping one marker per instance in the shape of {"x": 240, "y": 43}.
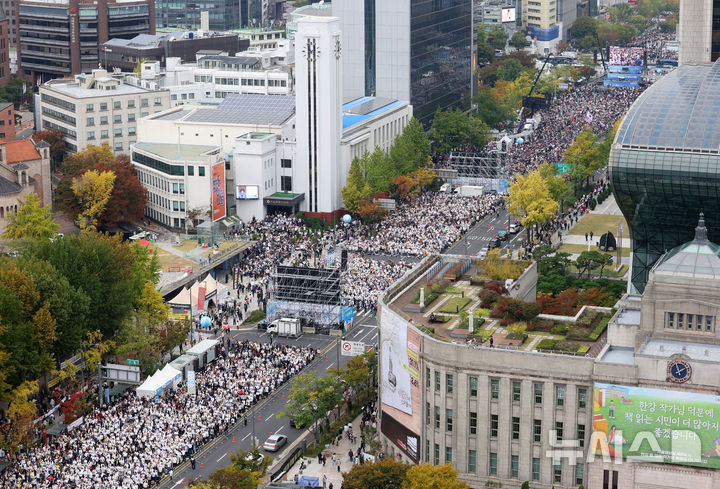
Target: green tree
{"x": 454, "y": 129}
{"x": 426, "y": 476}
{"x": 588, "y": 261}
{"x": 499, "y": 37}
{"x": 510, "y": 70}
{"x": 411, "y": 149}
{"x": 32, "y": 221}
{"x": 556, "y": 183}
{"x": 73, "y": 167}
{"x": 518, "y": 40}
{"x": 380, "y": 171}
{"x": 489, "y": 110}
{"x": 311, "y": 397}
{"x": 637, "y": 21}
{"x": 359, "y": 375}
{"x": 582, "y": 156}
{"x": 384, "y": 474}
{"x": 530, "y": 201}
{"x": 356, "y": 188}
{"x": 668, "y": 25}
{"x": 583, "y": 26}
{"x": 485, "y": 52}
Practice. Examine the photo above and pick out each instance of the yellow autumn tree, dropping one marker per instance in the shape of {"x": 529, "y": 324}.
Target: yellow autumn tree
{"x": 93, "y": 189}
{"x": 152, "y": 305}
{"x": 20, "y": 414}
{"x": 426, "y": 476}
{"x": 530, "y": 201}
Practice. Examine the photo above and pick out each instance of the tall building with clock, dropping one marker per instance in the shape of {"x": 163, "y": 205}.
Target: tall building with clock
{"x": 639, "y": 410}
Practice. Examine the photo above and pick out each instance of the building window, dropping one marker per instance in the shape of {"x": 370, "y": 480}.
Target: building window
{"x": 131, "y": 117}
{"x": 118, "y": 132}
{"x": 285, "y": 163}
{"x": 473, "y": 423}
{"x": 473, "y": 386}
{"x": 494, "y": 388}
{"x": 427, "y": 377}
{"x": 680, "y": 320}
{"x": 448, "y": 383}
{"x": 91, "y": 135}
{"x": 182, "y": 205}
{"x": 537, "y": 430}
{"x": 560, "y": 395}
{"x": 472, "y": 461}
{"x": 89, "y": 108}
{"x": 581, "y": 434}
{"x": 427, "y": 413}
{"x": 131, "y": 131}
{"x": 699, "y": 322}
{"x": 448, "y": 419}
{"x": 144, "y": 114}
{"x": 90, "y": 121}
{"x": 493, "y": 463}
{"x": 117, "y": 118}
{"x": 191, "y": 170}
{"x": 448, "y": 455}
{"x": 175, "y": 188}
{"x": 538, "y": 393}
{"x": 285, "y": 183}
{"x": 515, "y": 428}
{"x": 158, "y": 101}
{"x": 176, "y": 206}
{"x": 427, "y": 451}
{"x": 516, "y": 391}
{"x": 708, "y": 323}
{"x": 579, "y": 473}
{"x": 535, "y": 469}
{"x": 514, "y": 463}
{"x": 493, "y": 425}
{"x": 670, "y": 320}
{"x": 557, "y": 471}
{"x": 690, "y": 321}
{"x": 582, "y": 398}
{"x": 103, "y": 134}
{"x": 118, "y": 146}
{"x": 116, "y": 105}
{"x": 436, "y": 457}
{"x": 144, "y": 102}
{"x": 558, "y": 430}
{"x": 103, "y": 106}
{"x": 131, "y": 104}
{"x": 103, "y": 120}
{"x": 201, "y": 171}
{"x": 437, "y": 417}
{"x": 437, "y": 381}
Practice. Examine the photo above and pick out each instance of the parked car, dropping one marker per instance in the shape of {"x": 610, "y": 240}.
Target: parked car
{"x": 483, "y": 253}
{"x": 274, "y": 443}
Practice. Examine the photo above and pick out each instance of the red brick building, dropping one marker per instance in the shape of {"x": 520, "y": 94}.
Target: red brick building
{"x": 4, "y": 49}
{"x": 7, "y": 122}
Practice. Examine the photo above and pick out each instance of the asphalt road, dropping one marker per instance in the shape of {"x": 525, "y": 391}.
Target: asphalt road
{"x": 216, "y": 454}
{"x": 483, "y": 232}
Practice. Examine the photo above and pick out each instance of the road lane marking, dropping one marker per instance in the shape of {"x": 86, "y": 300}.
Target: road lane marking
{"x": 278, "y": 430}
{"x": 273, "y": 414}
{"x": 224, "y": 455}
{"x": 330, "y": 366}
{"x": 245, "y": 438}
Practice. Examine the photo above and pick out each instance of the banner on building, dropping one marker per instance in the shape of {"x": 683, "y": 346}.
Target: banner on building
{"x": 217, "y": 179}
{"x": 201, "y": 299}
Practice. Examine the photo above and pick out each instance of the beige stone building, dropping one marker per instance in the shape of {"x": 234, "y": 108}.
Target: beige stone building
{"x": 507, "y": 416}
{"x": 24, "y": 169}
{"x": 698, "y": 32}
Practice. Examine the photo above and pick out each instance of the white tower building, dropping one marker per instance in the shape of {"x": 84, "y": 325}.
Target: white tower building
{"x": 318, "y": 112}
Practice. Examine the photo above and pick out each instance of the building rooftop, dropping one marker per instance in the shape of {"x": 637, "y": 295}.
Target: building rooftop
{"x": 8, "y": 188}
{"x": 22, "y": 150}
{"x": 667, "y": 348}
{"x": 178, "y": 152}
{"x": 73, "y": 89}
{"x": 171, "y": 116}
{"x": 267, "y": 109}
{"x": 624, "y": 355}
{"x": 364, "y": 108}
{"x": 679, "y": 110}
{"x": 257, "y": 136}
{"x": 5, "y": 105}
{"x": 698, "y": 259}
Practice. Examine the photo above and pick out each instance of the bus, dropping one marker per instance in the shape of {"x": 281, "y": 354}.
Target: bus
{"x": 666, "y": 63}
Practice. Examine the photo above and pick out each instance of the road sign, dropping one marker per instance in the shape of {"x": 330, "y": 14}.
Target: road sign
{"x": 352, "y": 348}
{"x": 132, "y": 362}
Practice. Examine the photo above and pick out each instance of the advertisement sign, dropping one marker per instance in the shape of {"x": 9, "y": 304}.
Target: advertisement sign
{"x": 405, "y": 439}
{"x": 400, "y": 380}
{"x": 507, "y": 14}
{"x": 622, "y": 56}
{"x": 191, "y": 382}
{"x": 247, "y": 192}
{"x": 201, "y": 299}
{"x": 654, "y": 425}
{"x": 352, "y": 348}
{"x": 217, "y": 180}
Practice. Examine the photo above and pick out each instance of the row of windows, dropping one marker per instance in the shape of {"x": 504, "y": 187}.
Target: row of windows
{"x": 118, "y": 104}
{"x": 104, "y": 133}
{"x": 690, "y": 322}
{"x": 117, "y": 119}
{"x": 58, "y": 102}
{"x": 164, "y": 218}
{"x": 495, "y": 389}
{"x": 514, "y": 465}
{"x": 183, "y": 96}
{"x": 58, "y": 115}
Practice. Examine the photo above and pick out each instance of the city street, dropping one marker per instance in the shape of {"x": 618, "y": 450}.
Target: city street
{"x": 216, "y": 454}
{"x": 481, "y": 234}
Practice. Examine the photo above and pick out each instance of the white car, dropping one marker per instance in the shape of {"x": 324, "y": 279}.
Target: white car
{"x": 274, "y": 443}
{"x": 483, "y": 253}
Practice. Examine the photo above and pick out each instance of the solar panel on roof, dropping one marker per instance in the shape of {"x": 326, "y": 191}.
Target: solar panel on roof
{"x": 247, "y": 101}
{"x": 369, "y": 106}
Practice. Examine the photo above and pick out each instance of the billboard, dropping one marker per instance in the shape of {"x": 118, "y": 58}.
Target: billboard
{"x": 244, "y": 192}
{"x": 507, "y": 14}
{"x": 654, "y": 425}
{"x": 217, "y": 181}
{"x": 400, "y": 382}
{"x": 621, "y": 56}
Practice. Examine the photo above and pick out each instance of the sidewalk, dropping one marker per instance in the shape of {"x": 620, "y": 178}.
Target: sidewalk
{"x": 313, "y": 469}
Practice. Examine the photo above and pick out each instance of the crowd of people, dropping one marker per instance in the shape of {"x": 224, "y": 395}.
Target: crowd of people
{"x": 133, "y": 442}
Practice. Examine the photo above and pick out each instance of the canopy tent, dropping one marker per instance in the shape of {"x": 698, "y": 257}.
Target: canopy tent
{"x": 184, "y": 363}
{"x": 182, "y": 299}
{"x": 168, "y": 377}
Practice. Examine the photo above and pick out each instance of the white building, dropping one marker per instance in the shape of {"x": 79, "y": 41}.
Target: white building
{"x": 177, "y": 178}
{"x": 97, "y": 108}
{"x": 261, "y": 38}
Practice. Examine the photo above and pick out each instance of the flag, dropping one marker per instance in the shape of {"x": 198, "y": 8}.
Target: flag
{"x": 24, "y": 88}
{"x": 588, "y": 117}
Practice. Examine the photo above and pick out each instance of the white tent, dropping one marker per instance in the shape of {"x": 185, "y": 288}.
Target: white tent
{"x": 182, "y": 299}
{"x": 168, "y": 377}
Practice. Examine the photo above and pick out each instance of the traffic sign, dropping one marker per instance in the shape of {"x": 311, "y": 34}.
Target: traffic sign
{"x": 132, "y": 362}
{"x": 352, "y": 348}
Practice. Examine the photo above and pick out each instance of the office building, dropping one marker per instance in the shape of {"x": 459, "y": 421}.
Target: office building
{"x": 63, "y": 38}
{"x": 416, "y": 50}
{"x": 126, "y": 54}
{"x": 664, "y": 164}
{"x": 24, "y": 169}
{"x": 221, "y": 15}
{"x": 540, "y": 19}
{"x": 507, "y": 414}
{"x": 698, "y": 32}
{"x": 97, "y": 108}
{"x": 7, "y": 122}
{"x": 5, "y": 33}
{"x": 261, "y": 38}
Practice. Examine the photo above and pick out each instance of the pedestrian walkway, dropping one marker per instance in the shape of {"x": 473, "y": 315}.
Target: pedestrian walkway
{"x": 329, "y": 469}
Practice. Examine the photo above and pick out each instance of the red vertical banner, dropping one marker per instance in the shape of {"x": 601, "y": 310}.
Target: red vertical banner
{"x": 217, "y": 180}
{"x": 201, "y": 299}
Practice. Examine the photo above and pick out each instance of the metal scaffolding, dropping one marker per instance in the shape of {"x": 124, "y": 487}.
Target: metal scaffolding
{"x": 491, "y": 165}
{"x": 308, "y": 285}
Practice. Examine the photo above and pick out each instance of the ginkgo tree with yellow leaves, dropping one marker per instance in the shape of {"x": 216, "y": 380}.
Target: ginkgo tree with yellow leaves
{"x": 93, "y": 189}
{"x": 529, "y": 200}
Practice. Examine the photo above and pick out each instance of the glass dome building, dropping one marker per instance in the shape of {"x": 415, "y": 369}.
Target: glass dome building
{"x": 665, "y": 164}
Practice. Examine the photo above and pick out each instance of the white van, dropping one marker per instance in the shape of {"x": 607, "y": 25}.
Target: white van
{"x": 446, "y": 188}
